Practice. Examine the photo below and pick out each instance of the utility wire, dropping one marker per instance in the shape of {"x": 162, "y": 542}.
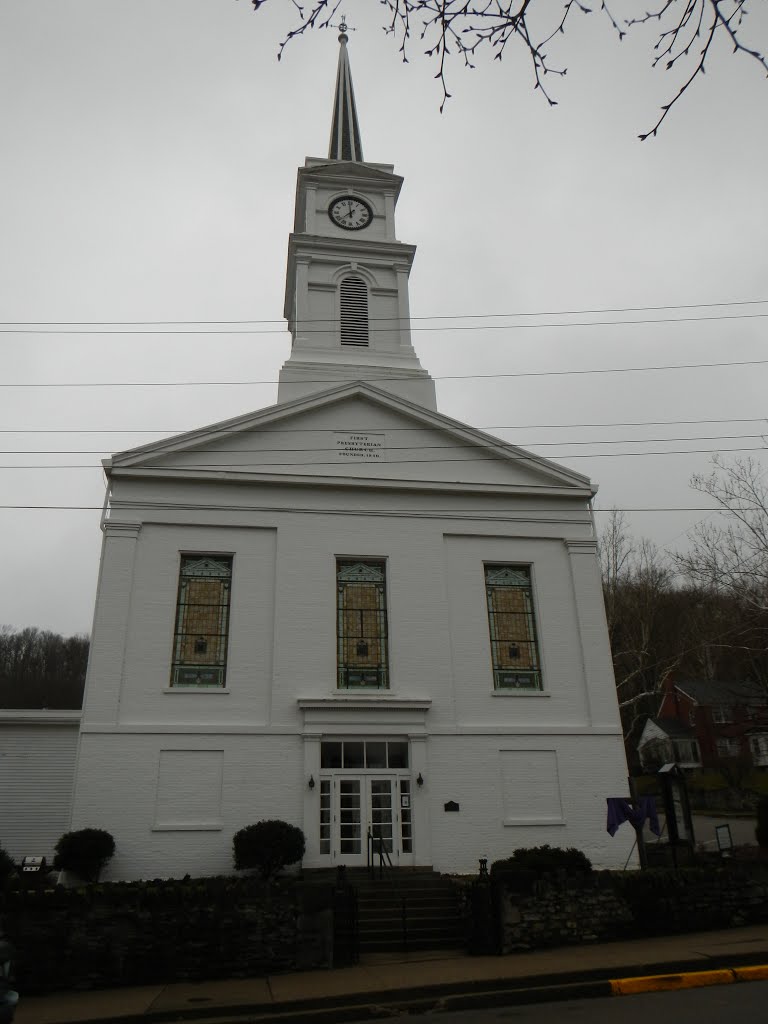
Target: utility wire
{"x": 341, "y": 511}
{"x": 407, "y": 447}
{"x": 382, "y": 330}
{"x": 435, "y": 316}
{"x": 373, "y": 380}
{"x": 326, "y": 430}
{"x": 223, "y": 466}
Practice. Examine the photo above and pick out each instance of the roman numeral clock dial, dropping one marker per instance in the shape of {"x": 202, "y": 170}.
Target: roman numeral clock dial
{"x": 350, "y": 213}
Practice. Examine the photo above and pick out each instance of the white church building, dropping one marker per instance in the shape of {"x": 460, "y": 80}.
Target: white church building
{"x": 347, "y": 610}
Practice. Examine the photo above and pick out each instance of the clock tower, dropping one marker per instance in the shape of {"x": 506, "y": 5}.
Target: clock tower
{"x": 346, "y": 294}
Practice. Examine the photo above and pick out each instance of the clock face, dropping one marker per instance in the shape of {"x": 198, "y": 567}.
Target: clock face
{"x": 350, "y": 213}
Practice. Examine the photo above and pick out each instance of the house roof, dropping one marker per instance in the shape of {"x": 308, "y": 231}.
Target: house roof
{"x": 674, "y": 728}
{"x": 721, "y": 691}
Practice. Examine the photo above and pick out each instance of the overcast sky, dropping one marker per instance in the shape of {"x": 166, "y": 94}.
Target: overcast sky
{"x": 149, "y": 156}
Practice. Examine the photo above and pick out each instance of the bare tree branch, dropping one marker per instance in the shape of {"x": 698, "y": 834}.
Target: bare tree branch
{"x": 687, "y": 31}
{"x": 730, "y": 555}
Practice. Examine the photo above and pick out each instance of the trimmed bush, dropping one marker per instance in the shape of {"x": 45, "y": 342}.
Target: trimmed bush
{"x": 761, "y": 832}
{"x": 547, "y": 860}
{"x": 268, "y": 846}
{"x": 530, "y": 864}
{"x": 84, "y": 852}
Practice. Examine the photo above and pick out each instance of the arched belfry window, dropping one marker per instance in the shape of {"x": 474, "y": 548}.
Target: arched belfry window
{"x": 353, "y": 296}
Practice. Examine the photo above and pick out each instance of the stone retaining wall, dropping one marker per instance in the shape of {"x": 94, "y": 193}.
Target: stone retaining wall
{"x": 141, "y": 933}
{"x": 612, "y": 905}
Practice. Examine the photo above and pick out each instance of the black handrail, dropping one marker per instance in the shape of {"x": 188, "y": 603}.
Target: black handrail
{"x": 376, "y": 845}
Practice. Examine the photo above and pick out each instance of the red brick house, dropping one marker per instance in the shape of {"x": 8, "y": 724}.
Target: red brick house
{"x": 702, "y": 723}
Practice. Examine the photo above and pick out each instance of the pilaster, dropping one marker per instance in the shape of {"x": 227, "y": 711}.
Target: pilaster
{"x": 106, "y": 665}
{"x": 593, "y": 633}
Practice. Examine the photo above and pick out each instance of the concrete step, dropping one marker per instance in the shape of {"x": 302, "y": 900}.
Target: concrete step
{"x": 431, "y": 912}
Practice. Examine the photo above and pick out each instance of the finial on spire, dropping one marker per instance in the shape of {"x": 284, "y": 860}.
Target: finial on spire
{"x": 345, "y": 132}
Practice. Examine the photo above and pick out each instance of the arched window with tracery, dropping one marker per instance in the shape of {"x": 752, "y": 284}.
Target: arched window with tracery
{"x": 353, "y": 301}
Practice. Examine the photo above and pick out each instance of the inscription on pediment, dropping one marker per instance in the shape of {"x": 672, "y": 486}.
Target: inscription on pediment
{"x": 358, "y": 446}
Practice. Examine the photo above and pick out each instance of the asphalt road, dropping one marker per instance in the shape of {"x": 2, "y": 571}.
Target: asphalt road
{"x": 742, "y": 830}
{"x": 744, "y": 1002}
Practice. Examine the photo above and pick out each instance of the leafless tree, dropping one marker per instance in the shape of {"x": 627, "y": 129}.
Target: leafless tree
{"x": 730, "y": 553}
{"x": 685, "y": 32}
{"x": 41, "y": 669}
{"x": 646, "y": 619}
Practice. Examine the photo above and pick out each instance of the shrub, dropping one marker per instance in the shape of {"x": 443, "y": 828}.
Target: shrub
{"x": 7, "y": 867}
{"x": 84, "y": 852}
{"x": 529, "y": 864}
{"x": 268, "y": 846}
{"x": 761, "y": 832}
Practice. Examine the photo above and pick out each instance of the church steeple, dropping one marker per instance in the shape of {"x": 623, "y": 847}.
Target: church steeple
{"x": 346, "y": 288}
{"x": 345, "y": 131}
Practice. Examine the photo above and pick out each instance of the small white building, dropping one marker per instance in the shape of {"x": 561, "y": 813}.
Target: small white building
{"x": 347, "y": 610}
{"x": 37, "y": 765}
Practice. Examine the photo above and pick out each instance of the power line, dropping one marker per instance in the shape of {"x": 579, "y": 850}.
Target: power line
{"x": 341, "y": 511}
{"x": 374, "y": 380}
{"x": 382, "y": 330}
{"x": 223, "y": 466}
{"x": 435, "y": 316}
{"x": 407, "y": 447}
{"x": 389, "y": 429}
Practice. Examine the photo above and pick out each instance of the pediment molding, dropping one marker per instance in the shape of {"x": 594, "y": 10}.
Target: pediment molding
{"x": 555, "y": 479}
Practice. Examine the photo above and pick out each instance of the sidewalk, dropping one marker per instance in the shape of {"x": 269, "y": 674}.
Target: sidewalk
{"x": 416, "y": 982}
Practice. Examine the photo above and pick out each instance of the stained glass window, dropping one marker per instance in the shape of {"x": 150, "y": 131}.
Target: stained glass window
{"x": 202, "y": 621}
{"x": 514, "y": 645}
{"x": 361, "y": 624}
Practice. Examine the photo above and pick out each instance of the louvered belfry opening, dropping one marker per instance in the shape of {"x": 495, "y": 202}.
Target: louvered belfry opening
{"x": 354, "y": 311}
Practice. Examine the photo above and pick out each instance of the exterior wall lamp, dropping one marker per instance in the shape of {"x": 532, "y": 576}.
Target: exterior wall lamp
{"x": 311, "y": 782}
{"x": 419, "y": 780}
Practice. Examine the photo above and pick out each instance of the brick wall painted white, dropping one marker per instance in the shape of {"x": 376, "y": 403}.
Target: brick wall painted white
{"x": 284, "y": 538}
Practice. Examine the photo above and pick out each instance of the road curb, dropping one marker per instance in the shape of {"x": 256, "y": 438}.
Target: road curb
{"x": 470, "y": 994}
{"x": 687, "y": 979}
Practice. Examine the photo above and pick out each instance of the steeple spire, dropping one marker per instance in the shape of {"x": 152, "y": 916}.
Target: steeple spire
{"x": 345, "y": 133}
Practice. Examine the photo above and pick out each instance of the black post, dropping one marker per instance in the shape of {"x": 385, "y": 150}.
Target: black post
{"x": 641, "y": 851}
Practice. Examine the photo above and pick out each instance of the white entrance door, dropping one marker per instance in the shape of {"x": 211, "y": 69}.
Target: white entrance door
{"x": 351, "y": 807}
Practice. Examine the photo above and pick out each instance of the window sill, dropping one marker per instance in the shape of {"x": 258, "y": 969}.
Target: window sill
{"x": 527, "y": 822}
{"x": 519, "y": 693}
{"x": 188, "y": 827}
{"x": 196, "y": 689}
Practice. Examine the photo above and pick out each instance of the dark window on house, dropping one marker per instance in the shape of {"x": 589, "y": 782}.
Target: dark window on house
{"x": 728, "y": 746}
{"x": 353, "y": 311}
{"x": 687, "y": 751}
{"x": 514, "y": 645}
{"x": 361, "y": 624}
{"x": 722, "y": 714}
{"x": 202, "y": 621}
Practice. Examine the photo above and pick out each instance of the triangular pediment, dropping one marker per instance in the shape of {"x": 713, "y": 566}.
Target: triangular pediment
{"x": 354, "y": 435}
{"x": 360, "y": 572}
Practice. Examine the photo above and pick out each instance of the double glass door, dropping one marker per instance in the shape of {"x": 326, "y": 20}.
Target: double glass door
{"x": 354, "y": 807}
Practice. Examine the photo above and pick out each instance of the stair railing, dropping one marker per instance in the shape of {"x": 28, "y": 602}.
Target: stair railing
{"x": 376, "y": 848}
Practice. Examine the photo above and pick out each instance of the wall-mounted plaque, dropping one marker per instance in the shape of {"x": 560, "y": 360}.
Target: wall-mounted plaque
{"x": 451, "y": 806}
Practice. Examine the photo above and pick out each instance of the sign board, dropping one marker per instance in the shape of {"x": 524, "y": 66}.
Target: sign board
{"x": 724, "y": 839}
